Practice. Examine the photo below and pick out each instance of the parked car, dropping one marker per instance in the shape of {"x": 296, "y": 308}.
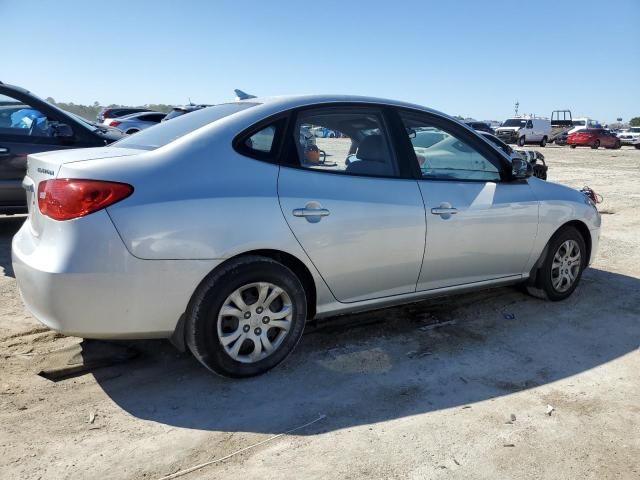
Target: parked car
{"x": 583, "y": 123}
{"x": 561, "y": 139}
{"x": 109, "y": 113}
{"x": 28, "y": 125}
{"x": 630, "y": 136}
{"x": 135, "y": 122}
{"x": 323, "y": 132}
{"x": 244, "y": 244}
{"x": 481, "y": 127}
{"x": 525, "y": 130}
{"x": 181, "y": 110}
{"x": 594, "y": 138}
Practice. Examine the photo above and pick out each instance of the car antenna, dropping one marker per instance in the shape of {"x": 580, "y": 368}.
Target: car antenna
{"x": 240, "y": 95}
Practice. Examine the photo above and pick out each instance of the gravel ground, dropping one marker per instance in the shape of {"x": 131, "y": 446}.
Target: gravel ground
{"x": 493, "y": 384}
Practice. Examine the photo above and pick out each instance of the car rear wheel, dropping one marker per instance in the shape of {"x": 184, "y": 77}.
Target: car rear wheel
{"x": 521, "y": 141}
{"x": 562, "y": 267}
{"x": 638, "y": 146}
{"x": 246, "y": 317}
{"x": 596, "y": 145}
{"x": 573, "y": 146}
{"x": 543, "y": 142}
{"x": 618, "y": 145}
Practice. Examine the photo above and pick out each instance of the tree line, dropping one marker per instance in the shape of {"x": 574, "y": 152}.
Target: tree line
{"x": 90, "y": 112}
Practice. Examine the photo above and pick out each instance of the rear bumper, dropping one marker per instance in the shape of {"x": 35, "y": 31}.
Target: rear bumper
{"x": 78, "y": 278}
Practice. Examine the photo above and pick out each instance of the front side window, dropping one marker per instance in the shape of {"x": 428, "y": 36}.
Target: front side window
{"x": 18, "y": 118}
{"x": 443, "y": 156}
{"x": 346, "y": 140}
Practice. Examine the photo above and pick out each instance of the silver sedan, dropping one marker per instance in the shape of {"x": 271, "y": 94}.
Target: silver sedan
{"x": 225, "y": 231}
{"x": 135, "y": 122}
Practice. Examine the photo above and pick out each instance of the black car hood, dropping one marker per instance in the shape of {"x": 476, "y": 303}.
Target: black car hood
{"x": 109, "y": 134}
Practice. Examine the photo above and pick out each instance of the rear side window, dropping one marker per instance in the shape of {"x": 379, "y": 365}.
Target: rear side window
{"x": 167, "y": 132}
{"x": 261, "y": 141}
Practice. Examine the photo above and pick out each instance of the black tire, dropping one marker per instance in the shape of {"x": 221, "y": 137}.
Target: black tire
{"x": 573, "y": 146}
{"x": 596, "y": 145}
{"x": 543, "y": 287}
{"x": 543, "y": 142}
{"x": 521, "y": 141}
{"x": 618, "y": 145}
{"x": 637, "y": 146}
{"x": 202, "y": 315}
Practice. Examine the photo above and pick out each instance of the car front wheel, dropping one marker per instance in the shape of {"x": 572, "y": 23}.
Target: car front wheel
{"x": 521, "y": 141}
{"x": 246, "y": 317}
{"x": 562, "y": 267}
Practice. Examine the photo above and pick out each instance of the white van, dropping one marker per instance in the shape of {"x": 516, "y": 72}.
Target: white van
{"x": 525, "y": 130}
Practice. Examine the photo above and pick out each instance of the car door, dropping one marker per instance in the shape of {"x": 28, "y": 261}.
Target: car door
{"x": 479, "y": 226}
{"x": 350, "y": 204}
{"x": 25, "y": 128}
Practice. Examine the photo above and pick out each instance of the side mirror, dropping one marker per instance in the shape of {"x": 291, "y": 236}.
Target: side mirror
{"x": 412, "y": 133}
{"x": 520, "y": 168}
{"x": 64, "y": 131}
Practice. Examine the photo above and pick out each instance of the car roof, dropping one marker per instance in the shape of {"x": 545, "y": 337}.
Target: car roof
{"x": 266, "y": 106}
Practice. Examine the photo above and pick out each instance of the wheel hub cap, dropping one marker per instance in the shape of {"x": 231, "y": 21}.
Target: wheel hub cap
{"x": 566, "y": 266}
{"x": 254, "y": 321}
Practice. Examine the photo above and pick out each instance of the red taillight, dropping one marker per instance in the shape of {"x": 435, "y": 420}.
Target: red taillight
{"x": 65, "y": 199}
{"x": 114, "y": 123}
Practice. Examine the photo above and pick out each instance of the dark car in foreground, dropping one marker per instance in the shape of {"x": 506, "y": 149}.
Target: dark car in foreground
{"x": 594, "y": 138}
{"x": 29, "y": 125}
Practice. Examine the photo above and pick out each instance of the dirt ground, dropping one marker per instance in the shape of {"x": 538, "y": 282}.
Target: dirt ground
{"x": 397, "y": 396}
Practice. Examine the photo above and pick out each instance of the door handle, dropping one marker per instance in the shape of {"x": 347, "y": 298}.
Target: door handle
{"x": 310, "y": 212}
{"x": 445, "y": 209}
{"x": 4, "y": 151}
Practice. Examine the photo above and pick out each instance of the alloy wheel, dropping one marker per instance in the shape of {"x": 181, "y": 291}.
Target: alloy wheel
{"x": 566, "y": 266}
{"x": 254, "y": 321}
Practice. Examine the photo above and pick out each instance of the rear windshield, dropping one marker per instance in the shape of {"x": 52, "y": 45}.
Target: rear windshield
{"x": 166, "y": 132}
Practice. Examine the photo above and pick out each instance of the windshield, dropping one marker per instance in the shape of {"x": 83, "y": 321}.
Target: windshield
{"x": 166, "y": 132}
{"x": 635, "y": 129}
{"x": 514, "y": 122}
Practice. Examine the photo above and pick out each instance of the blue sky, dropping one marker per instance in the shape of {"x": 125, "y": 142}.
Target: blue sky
{"x": 473, "y": 58}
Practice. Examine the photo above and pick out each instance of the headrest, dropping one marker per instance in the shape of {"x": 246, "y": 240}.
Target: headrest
{"x": 372, "y": 148}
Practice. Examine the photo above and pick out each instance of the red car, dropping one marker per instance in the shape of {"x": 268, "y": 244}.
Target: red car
{"x": 594, "y": 138}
